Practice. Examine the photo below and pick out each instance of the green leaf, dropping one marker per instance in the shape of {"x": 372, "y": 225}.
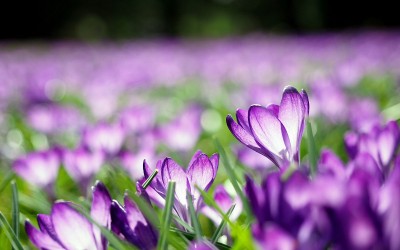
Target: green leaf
{"x": 16, "y": 244}
{"x": 312, "y": 150}
{"x": 191, "y": 236}
{"x": 232, "y": 177}
{"x": 167, "y": 216}
{"x": 221, "y": 226}
{"x": 7, "y": 178}
{"x": 193, "y": 216}
{"x": 15, "y": 209}
{"x": 183, "y": 223}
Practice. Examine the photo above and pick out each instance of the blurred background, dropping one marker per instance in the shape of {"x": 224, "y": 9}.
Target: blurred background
{"x": 123, "y": 19}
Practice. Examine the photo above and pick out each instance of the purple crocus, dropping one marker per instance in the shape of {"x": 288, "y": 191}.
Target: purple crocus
{"x": 82, "y": 165}
{"x": 201, "y": 172}
{"x": 107, "y": 138}
{"x": 39, "y": 168}
{"x": 224, "y": 201}
{"x": 381, "y": 143}
{"x": 66, "y": 228}
{"x": 274, "y": 131}
{"x": 129, "y": 223}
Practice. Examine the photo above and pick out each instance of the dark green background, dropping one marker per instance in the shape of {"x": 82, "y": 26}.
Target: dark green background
{"x": 121, "y": 19}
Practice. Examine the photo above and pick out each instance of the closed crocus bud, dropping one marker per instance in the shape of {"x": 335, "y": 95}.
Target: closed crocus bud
{"x": 82, "y": 164}
{"x": 129, "y": 223}
{"x": 201, "y": 172}
{"x": 274, "y": 131}
{"x": 39, "y": 168}
{"x": 66, "y": 228}
{"x": 107, "y": 138}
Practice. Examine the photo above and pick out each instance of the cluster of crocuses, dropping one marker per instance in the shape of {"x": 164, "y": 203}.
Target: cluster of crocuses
{"x": 339, "y": 206}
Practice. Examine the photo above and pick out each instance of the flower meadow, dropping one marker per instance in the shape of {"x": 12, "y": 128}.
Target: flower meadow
{"x": 256, "y": 142}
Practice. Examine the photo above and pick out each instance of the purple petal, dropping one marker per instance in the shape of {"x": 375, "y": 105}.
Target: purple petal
{"x": 171, "y": 171}
{"x": 291, "y": 114}
{"x": 46, "y": 226}
{"x": 201, "y": 174}
{"x": 351, "y": 144}
{"x": 270, "y": 133}
{"x": 306, "y": 102}
{"x": 41, "y": 239}
{"x": 242, "y": 117}
{"x": 195, "y": 156}
{"x": 388, "y": 142}
{"x": 273, "y": 237}
{"x": 330, "y": 164}
{"x": 100, "y": 212}
{"x": 243, "y": 135}
{"x": 133, "y": 214}
{"x": 214, "y": 159}
{"x": 73, "y": 229}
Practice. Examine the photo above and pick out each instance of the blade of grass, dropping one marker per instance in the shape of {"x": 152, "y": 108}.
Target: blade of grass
{"x": 15, "y": 209}
{"x": 193, "y": 216}
{"x": 221, "y": 226}
{"x": 183, "y": 223}
{"x": 312, "y": 150}
{"x": 112, "y": 238}
{"x": 167, "y": 216}
{"x": 16, "y": 244}
{"x": 232, "y": 177}
{"x": 150, "y": 179}
{"x": 7, "y": 178}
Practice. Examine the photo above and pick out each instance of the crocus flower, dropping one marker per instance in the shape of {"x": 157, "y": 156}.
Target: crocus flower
{"x": 133, "y": 162}
{"x": 129, "y": 223}
{"x": 224, "y": 201}
{"x": 182, "y": 133}
{"x": 39, "y": 168}
{"x": 201, "y": 172}
{"x": 381, "y": 143}
{"x": 66, "y": 228}
{"x": 82, "y": 165}
{"x": 274, "y": 131}
{"x": 138, "y": 119}
{"x": 107, "y": 138}
{"x": 287, "y": 213}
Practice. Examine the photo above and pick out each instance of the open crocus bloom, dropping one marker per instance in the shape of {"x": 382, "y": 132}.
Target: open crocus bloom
{"x": 274, "y": 131}
{"x": 66, "y": 228}
{"x": 201, "y": 172}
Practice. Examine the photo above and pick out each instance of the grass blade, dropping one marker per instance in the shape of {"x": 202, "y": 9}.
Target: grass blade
{"x": 191, "y": 236}
{"x": 193, "y": 216}
{"x": 221, "y": 226}
{"x": 167, "y": 216}
{"x": 15, "y": 209}
{"x": 150, "y": 179}
{"x": 7, "y": 178}
{"x": 184, "y": 224}
{"x": 312, "y": 150}
{"x": 16, "y": 244}
{"x": 232, "y": 177}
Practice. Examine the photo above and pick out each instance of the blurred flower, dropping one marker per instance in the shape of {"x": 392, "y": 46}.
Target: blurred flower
{"x": 381, "y": 143}
{"x": 129, "y": 223}
{"x": 133, "y": 162}
{"x": 138, "y": 119}
{"x": 201, "y": 172}
{"x": 182, "y": 133}
{"x": 39, "y": 168}
{"x": 273, "y": 131}
{"x": 107, "y": 138}
{"x": 82, "y": 164}
{"x": 363, "y": 115}
{"x": 66, "y": 228}
{"x": 224, "y": 201}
